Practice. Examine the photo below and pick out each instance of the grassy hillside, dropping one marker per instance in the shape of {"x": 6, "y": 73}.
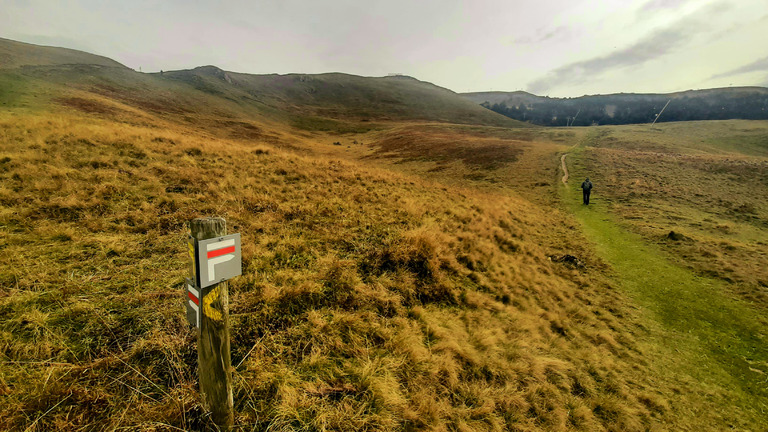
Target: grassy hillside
{"x": 663, "y": 218}
{"x": 16, "y": 54}
{"x": 719, "y": 340}
{"x": 706, "y": 183}
{"x": 326, "y": 102}
{"x": 314, "y": 98}
{"x": 400, "y": 272}
{"x": 370, "y": 300}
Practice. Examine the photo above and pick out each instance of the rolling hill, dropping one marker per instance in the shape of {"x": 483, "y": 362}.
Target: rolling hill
{"x": 411, "y": 260}
{"x": 342, "y": 96}
{"x": 16, "y": 54}
{"x": 712, "y": 104}
{"x": 323, "y": 102}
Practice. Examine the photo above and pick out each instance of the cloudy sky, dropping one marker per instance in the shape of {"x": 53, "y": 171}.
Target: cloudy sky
{"x": 548, "y": 47}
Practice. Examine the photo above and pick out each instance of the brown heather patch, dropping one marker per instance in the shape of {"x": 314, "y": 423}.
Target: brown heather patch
{"x": 86, "y": 105}
{"x": 158, "y": 102}
{"x": 446, "y": 147}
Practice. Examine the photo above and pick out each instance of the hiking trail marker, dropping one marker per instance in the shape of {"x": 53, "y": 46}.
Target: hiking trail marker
{"x": 193, "y": 303}
{"x": 213, "y": 261}
{"x": 214, "y": 258}
{"x": 218, "y": 259}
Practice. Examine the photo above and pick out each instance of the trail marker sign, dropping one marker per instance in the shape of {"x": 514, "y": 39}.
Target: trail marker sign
{"x": 217, "y": 260}
{"x": 193, "y": 303}
{"x": 215, "y": 257}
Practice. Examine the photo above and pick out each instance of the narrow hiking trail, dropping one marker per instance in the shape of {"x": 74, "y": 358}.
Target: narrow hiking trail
{"x": 565, "y": 169}
{"x": 719, "y": 341}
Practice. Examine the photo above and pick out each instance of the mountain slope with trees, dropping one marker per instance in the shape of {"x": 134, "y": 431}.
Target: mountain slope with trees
{"x": 749, "y": 103}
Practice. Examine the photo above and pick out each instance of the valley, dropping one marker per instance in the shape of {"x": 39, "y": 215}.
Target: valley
{"x": 411, "y": 261}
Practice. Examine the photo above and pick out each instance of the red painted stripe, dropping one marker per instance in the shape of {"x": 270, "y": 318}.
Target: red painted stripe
{"x": 193, "y": 298}
{"x": 220, "y": 252}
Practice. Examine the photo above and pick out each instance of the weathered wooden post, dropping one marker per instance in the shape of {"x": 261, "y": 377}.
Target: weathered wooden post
{"x": 216, "y": 257}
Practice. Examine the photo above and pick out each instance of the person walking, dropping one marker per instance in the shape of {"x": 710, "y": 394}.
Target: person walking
{"x": 586, "y": 188}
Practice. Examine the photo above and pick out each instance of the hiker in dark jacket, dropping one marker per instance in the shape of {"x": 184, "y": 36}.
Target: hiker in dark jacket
{"x": 586, "y": 187}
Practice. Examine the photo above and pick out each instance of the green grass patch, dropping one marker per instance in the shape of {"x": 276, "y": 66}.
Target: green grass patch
{"x": 723, "y": 339}
{"x": 12, "y": 88}
{"x": 319, "y": 124}
{"x": 751, "y": 145}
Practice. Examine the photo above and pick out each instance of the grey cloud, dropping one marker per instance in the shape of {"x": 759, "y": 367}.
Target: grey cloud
{"x": 757, "y": 65}
{"x": 655, "y": 45}
{"x": 662, "y": 4}
{"x": 554, "y": 33}
{"x": 652, "y": 47}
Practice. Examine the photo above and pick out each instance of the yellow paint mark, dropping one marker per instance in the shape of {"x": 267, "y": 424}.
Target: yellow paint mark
{"x": 211, "y": 297}
{"x": 191, "y": 251}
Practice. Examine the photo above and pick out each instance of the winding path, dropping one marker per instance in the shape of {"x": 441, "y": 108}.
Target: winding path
{"x": 565, "y": 169}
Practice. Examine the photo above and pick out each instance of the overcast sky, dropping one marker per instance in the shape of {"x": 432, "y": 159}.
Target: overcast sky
{"x": 548, "y": 47}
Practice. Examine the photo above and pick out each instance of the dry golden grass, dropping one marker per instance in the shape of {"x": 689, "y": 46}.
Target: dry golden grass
{"x": 371, "y": 299}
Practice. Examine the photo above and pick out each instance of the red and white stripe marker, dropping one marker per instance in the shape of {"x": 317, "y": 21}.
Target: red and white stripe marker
{"x": 218, "y": 253}
{"x": 194, "y": 301}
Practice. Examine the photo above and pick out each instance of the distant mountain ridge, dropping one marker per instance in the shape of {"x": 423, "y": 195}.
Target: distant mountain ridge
{"x": 624, "y": 108}
{"x": 344, "y": 96}
{"x": 321, "y": 101}
{"x": 311, "y": 102}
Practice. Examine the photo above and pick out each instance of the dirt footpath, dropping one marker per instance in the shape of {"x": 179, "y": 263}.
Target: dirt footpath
{"x": 565, "y": 169}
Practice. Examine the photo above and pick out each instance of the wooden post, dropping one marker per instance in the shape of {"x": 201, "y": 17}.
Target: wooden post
{"x": 214, "y": 364}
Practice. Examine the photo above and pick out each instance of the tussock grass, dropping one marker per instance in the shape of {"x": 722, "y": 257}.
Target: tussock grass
{"x": 370, "y": 299}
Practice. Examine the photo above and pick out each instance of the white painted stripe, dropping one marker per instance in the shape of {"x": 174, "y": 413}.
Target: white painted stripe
{"x": 220, "y": 245}
{"x": 195, "y": 292}
{"x": 218, "y": 260}
{"x": 197, "y": 312}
